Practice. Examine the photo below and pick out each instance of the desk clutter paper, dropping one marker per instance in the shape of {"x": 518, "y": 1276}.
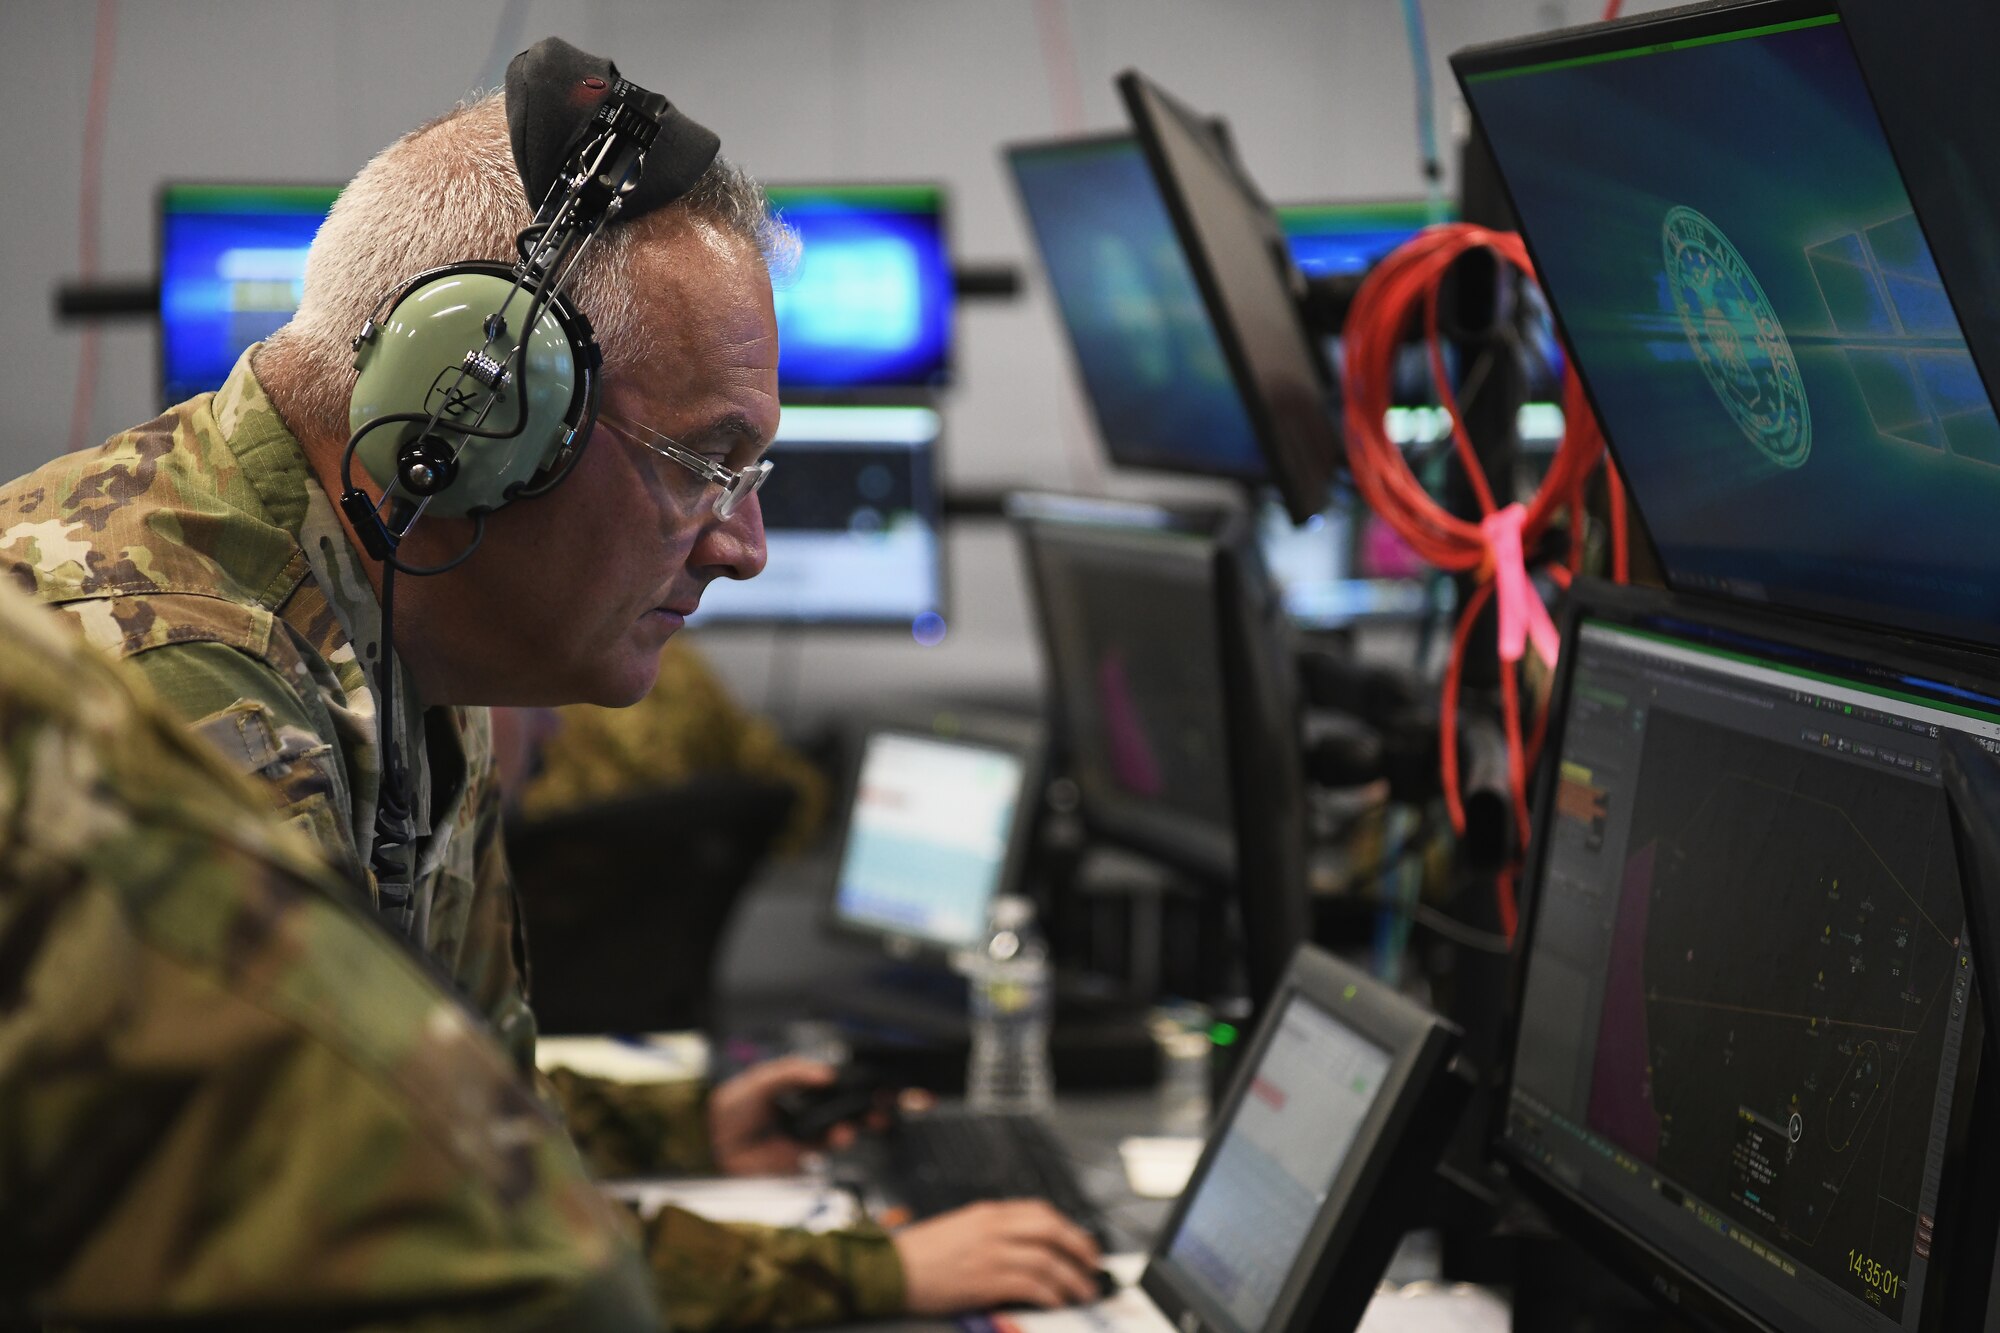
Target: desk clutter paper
{"x": 777, "y": 1201}
{"x": 1158, "y": 1168}
{"x": 664, "y": 1057}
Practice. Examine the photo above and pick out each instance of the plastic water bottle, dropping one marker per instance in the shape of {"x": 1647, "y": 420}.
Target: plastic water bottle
{"x": 1012, "y": 998}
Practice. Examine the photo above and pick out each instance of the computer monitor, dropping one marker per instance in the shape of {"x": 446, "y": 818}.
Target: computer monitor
{"x": 1253, "y": 292}
{"x": 937, "y": 824}
{"x": 1152, "y": 366}
{"x": 232, "y": 263}
{"x": 1321, "y": 1156}
{"x": 852, "y": 517}
{"x": 1346, "y": 238}
{"x": 1337, "y": 570}
{"x": 869, "y": 309}
{"x": 1775, "y": 358}
{"x": 1175, "y": 705}
{"x": 1746, "y": 1050}
{"x": 1129, "y": 630}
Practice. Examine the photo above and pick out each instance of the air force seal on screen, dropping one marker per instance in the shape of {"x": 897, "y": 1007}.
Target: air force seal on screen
{"x": 1736, "y": 336}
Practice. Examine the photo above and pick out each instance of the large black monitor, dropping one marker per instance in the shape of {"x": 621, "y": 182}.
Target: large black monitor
{"x": 1752, "y": 302}
{"x": 1254, "y": 294}
{"x": 1152, "y": 367}
{"x": 868, "y": 311}
{"x": 852, "y": 517}
{"x": 1747, "y": 1046}
{"x": 232, "y": 262}
{"x": 1175, "y": 706}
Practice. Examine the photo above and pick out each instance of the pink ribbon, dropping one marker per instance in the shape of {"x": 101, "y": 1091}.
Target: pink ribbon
{"x": 1522, "y": 615}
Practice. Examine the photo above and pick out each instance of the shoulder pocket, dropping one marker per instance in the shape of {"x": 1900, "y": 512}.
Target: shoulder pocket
{"x": 293, "y": 763}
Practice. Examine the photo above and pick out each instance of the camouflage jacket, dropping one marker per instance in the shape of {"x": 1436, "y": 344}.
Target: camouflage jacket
{"x": 200, "y": 548}
{"x": 225, "y": 1096}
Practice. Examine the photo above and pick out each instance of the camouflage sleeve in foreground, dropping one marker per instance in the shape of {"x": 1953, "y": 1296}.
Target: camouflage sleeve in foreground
{"x": 716, "y": 1274}
{"x": 224, "y": 1095}
{"x": 711, "y": 1275}
{"x": 635, "y": 1129}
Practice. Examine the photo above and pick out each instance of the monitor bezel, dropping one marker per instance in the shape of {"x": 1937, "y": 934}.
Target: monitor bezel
{"x": 1674, "y": 1285}
{"x": 1021, "y": 738}
{"x": 1712, "y": 18}
{"x": 1303, "y": 470}
{"x": 1416, "y": 1104}
{"x": 901, "y": 392}
{"x": 161, "y": 193}
{"x": 1011, "y": 152}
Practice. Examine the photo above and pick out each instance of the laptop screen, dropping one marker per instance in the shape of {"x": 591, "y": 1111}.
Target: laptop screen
{"x": 927, "y": 837}
{"x": 1744, "y": 1018}
{"x": 1241, "y": 1234}
{"x": 1750, "y": 297}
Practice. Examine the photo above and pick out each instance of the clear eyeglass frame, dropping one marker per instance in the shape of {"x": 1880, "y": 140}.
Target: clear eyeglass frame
{"x": 738, "y": 484}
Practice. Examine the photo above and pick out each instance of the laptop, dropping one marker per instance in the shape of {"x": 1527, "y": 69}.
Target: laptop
{"x": 1320, "y": 1158}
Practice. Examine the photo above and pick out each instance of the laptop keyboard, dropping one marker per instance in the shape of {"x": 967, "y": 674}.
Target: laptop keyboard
{"x": 945, "y": 1159}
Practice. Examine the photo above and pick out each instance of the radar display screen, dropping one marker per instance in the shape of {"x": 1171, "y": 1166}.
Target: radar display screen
{"x": 1749, "y": 894}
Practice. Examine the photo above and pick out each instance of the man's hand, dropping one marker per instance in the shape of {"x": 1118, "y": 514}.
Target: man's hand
{"x": 987, "y": 1254}
{"x": 742, "y": 1130}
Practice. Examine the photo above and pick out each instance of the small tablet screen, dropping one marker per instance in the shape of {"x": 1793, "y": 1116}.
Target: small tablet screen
{"x": 927, "y": 837}
{"x": 1280, "y": 1153}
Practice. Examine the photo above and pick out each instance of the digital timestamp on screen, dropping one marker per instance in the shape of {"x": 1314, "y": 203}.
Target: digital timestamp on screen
{"x": 1881, "y": 1282}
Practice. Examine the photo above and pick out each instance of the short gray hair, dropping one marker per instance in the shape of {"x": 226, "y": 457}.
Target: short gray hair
{"x": 449, "y": 191}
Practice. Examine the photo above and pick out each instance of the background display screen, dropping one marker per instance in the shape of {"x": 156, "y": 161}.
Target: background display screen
{"x": 928, "y": 838}
{"x": 1150, "y": 359}
{"x": 1749, "y": 295}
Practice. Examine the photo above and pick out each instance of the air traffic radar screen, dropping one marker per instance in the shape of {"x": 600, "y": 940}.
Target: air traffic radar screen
{"x": 1738, "y": 268}
{"x": 1748, "y": 1042}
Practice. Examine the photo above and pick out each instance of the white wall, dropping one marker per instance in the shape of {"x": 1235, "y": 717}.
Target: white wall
{"x": 1319, "y": 93}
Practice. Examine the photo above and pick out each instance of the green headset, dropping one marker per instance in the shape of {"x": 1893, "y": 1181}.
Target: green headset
{"x": 479, "y": 381}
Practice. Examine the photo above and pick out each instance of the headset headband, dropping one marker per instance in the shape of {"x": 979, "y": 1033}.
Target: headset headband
{"x": 557, "y": 97}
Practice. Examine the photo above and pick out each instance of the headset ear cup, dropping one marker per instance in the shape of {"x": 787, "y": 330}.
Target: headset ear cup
{"x": 503, "y": 419}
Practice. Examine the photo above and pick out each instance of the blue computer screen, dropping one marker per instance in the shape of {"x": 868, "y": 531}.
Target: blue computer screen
{"x": 1152, "y": 366}
{"x": 870, "y": 305}
{"x": 1749, "y": 295}
{"x": 232, "y": 269}
{"x": 1338, "y": 239}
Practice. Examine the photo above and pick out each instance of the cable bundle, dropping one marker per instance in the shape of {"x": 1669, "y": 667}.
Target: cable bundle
{"x": 1494, "y": 549}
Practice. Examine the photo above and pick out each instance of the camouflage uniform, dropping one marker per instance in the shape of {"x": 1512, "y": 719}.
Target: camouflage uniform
{"x": 687, "y": 725}
{"x": 200, "y": 549}
{"x": 224, "y": 1094}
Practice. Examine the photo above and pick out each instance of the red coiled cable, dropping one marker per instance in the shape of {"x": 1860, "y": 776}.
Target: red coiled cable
{"x": 1407, "y": 283}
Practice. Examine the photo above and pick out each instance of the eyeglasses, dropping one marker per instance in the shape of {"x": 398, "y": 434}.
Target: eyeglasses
{"x": 738, "y": 484}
